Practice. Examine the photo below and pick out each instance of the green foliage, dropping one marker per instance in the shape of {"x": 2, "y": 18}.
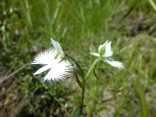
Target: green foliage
{"x": 80, "y": 26}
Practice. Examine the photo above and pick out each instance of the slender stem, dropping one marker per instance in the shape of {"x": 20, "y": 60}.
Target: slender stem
{"x": 83, "y": 92}
{"x": 92, "y": 67}
{"x": 84, "y": 82}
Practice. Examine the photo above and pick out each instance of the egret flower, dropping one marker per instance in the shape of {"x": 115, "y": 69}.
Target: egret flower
{"x": 105, "y": 52}
{"x": 52, "y": 60}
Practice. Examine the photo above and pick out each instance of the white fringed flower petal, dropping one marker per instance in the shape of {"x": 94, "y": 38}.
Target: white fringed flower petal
{"x": 45, "y": 57}
{"x": 58, "y": 68}
{"x": 60, "y": 71}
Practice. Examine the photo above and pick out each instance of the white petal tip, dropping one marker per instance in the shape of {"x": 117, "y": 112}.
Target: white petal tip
{"x": 33, "y": 63}
{"x": 120, "y": 67}
{"x": 115, "y": 64}
{"x": 35, "y": 73}
{"x": 95, "y": 54}
{"x": 52, "y": 39}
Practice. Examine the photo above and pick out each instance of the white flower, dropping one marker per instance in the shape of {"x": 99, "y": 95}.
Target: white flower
{"x": 105, "y": 52}
{"x": 58, "y": 68}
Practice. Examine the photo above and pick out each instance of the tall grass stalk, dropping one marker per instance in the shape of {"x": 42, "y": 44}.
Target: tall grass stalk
{"x": 152, "y": 4}
{"x": 140, "y": 92}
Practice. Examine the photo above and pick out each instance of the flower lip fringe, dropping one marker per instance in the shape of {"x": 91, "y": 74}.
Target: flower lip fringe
{"x": 53, "y": 61}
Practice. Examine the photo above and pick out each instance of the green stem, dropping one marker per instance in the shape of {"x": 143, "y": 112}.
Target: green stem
{"x": 84, "y": 82}
{"x": 83, "y": 92}
{"x": 92, "y": 67}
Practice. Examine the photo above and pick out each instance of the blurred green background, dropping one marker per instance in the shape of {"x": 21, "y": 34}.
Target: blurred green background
{"x": 80, "y": 26}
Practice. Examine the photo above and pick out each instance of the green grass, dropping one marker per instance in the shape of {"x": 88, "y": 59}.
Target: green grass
{"x": 26, "y": 27}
